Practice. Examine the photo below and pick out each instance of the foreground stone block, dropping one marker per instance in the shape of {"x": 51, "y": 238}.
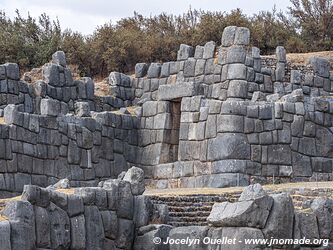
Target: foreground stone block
{"x": 50, "y": 107}
{"x": 5, "y": 235}
{"x": 59, "y": 57}
{"x": 280, "y": 222}
{"x": 192, "y": 232}
{"x": 146, "y": 234}
{"x": 251, "y": 213}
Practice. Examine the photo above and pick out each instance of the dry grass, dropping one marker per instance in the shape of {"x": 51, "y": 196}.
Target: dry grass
{"x": 65, "y": 190}
{"x": 102, "y": 88}
{"x": 2, "y": 120}
{"x": 230, "y": 190}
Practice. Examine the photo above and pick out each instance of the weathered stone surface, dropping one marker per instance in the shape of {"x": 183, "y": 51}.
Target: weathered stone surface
{"x": 82, "y": 109}
{"x": 22, "y": 225}
{"x": 43, "y": 238}
{"x": 59, "y": 58}
{"x": 321, "y": 66}
{"x": 125, "y": 234}
{"x": 279, "y": 224}
{"x": 143, "y": 210}
{"x": 174, "y": 91}
{"x": 59, "y": 227}
{"x": 78, "y": 232}
{"x": 5, "y": 235}
{"x": 191, "y": 232}
{"x": 252, "y": 192}
{"x": 308, "y": 226}
{"x": 50, "y": 107}
{"x": 242, "y": 36}
{"x": 146, "y": 234}
{"x": 125, "y": 200}
{"x": 94, "y": 228}
{"x": 184, "y": 52}
{"x": 322, "y": 208}
{"x": 228, "y": 146}
{"x": 280, "y": 54}
{"x": 12, "y": 71}
{"x": 110, "y": 223}
{"x": 141, "y": 69}
{"x": 247, "y": 213}
{"x": 154, "y": 70}
{"x": 228, "y": 36}
{"x": 135, "y": 176}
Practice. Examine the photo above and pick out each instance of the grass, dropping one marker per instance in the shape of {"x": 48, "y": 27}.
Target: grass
{"x": 230, "y": 190}
{"x": 2, "y": 120}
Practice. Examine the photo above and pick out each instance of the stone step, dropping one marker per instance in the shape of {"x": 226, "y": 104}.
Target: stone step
{"x": 183, "y": 224}
{"x": 190, "y": 214}
{"x": 190, "y": 208}
{"x": 188, "y": 219}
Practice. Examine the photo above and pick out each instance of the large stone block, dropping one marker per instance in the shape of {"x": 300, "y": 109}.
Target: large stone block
{"x": 141, "y": 69}
{"x": 125, "y": 234}
{"x": 5, "y": 235}
{"x": 279, "y": 154}
{"x": 242, "y": 36}
{"x": 249, "y": 213}
{"x": 280, "y": 222}
{"x": 230, "y": 123}
{"x": 189, "y": 67}
{"x": 125, "y": 200}
{"x": 59, "y": 57}
{"x": 12, "y": 71}
{"x": 321, "y": 66}
{"x": 229, "y": 146}
{"x": 135, "y": 176}
{"x": 178, "y": 90}
{"x": 228, "y": 36}
{"x": 184, "y": 52}
{"x": 146, "y": 234}
{"x": 237, "y": 89}
{"x": 78, "y": 232}
{"x": 209, "y": 50}
{"x": 154, "y": 70}
{"x": 50, "y": 107}
{"x": 94, "y": 228}
{"x": 197, "y": 233}
{"x": 236, "y": 71}
{"x": 22, "y": 224}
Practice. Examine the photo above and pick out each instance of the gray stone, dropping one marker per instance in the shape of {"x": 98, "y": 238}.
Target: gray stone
{"x": 236, "y": 71}
{"x": 230, "y": 123}
{"x": 247, "y": 213}
{"x": 50, "y": 107}
{"x": 307, "y": 225}
{"x": 199, "y": 50}
{"x": 191, "y": 232}
{"x": 59, "y": 227}
{"x": 279, "y": 154}
{"x": 189, "y": 67}
{"x": 242, "y": 36}
{"x": 59, "y": 57}
{"x": 110, "y": 223}
{"x": 78, "y": 232}
{"x": 74, "y": 205}
{"x": 22, "y": 225}
{"x": 12, "y": 71}
{"x": 279, "y": 224}
{"x": 209, "y": 50}
{"x": 82, "y": 109}
{"x": 252, "y": 192}
{"x": 125, "y": 200}
{"x": 141, "y": 69}
{"x": 94, "y": 228}
{"x": 135, "y": 176}
{"x": 146, "y": 234}
{"x": 228, "y": 36}
{"x": 200, "y": 67}
{"x": 174, "y": 91}
{"x": 5, "y": 235}
{"x": 322, "y": 207}
{"x": 184, "y": 52}
{"x": 154, "y": 70}
{"x": 43, "y": 227}
{"x": 281, "y": 54}
{"x": 237, "y": 89}
{"x": 321, "y": 66}
{"x": 228, "y": 146}
{"x": 125, "y": 234}
{"x": 143, "y": 210}
{"x": 236, "y": 54}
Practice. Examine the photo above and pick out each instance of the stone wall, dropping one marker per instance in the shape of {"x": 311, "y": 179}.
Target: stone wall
{"x": 242, "y": 119}
{"x": 218, "y": 116}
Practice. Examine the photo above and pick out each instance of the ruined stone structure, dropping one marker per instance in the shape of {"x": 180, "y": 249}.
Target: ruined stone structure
{"x": 216, "y": 117}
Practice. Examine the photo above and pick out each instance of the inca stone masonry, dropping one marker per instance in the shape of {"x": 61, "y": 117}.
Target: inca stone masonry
{"x": 216, "y": 117}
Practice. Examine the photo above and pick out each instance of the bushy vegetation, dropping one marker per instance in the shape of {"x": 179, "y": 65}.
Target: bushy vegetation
{"x": 306, "y": 26}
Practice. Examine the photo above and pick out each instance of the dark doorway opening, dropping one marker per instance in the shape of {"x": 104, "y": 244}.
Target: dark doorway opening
{"x": 170, "y": 141}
